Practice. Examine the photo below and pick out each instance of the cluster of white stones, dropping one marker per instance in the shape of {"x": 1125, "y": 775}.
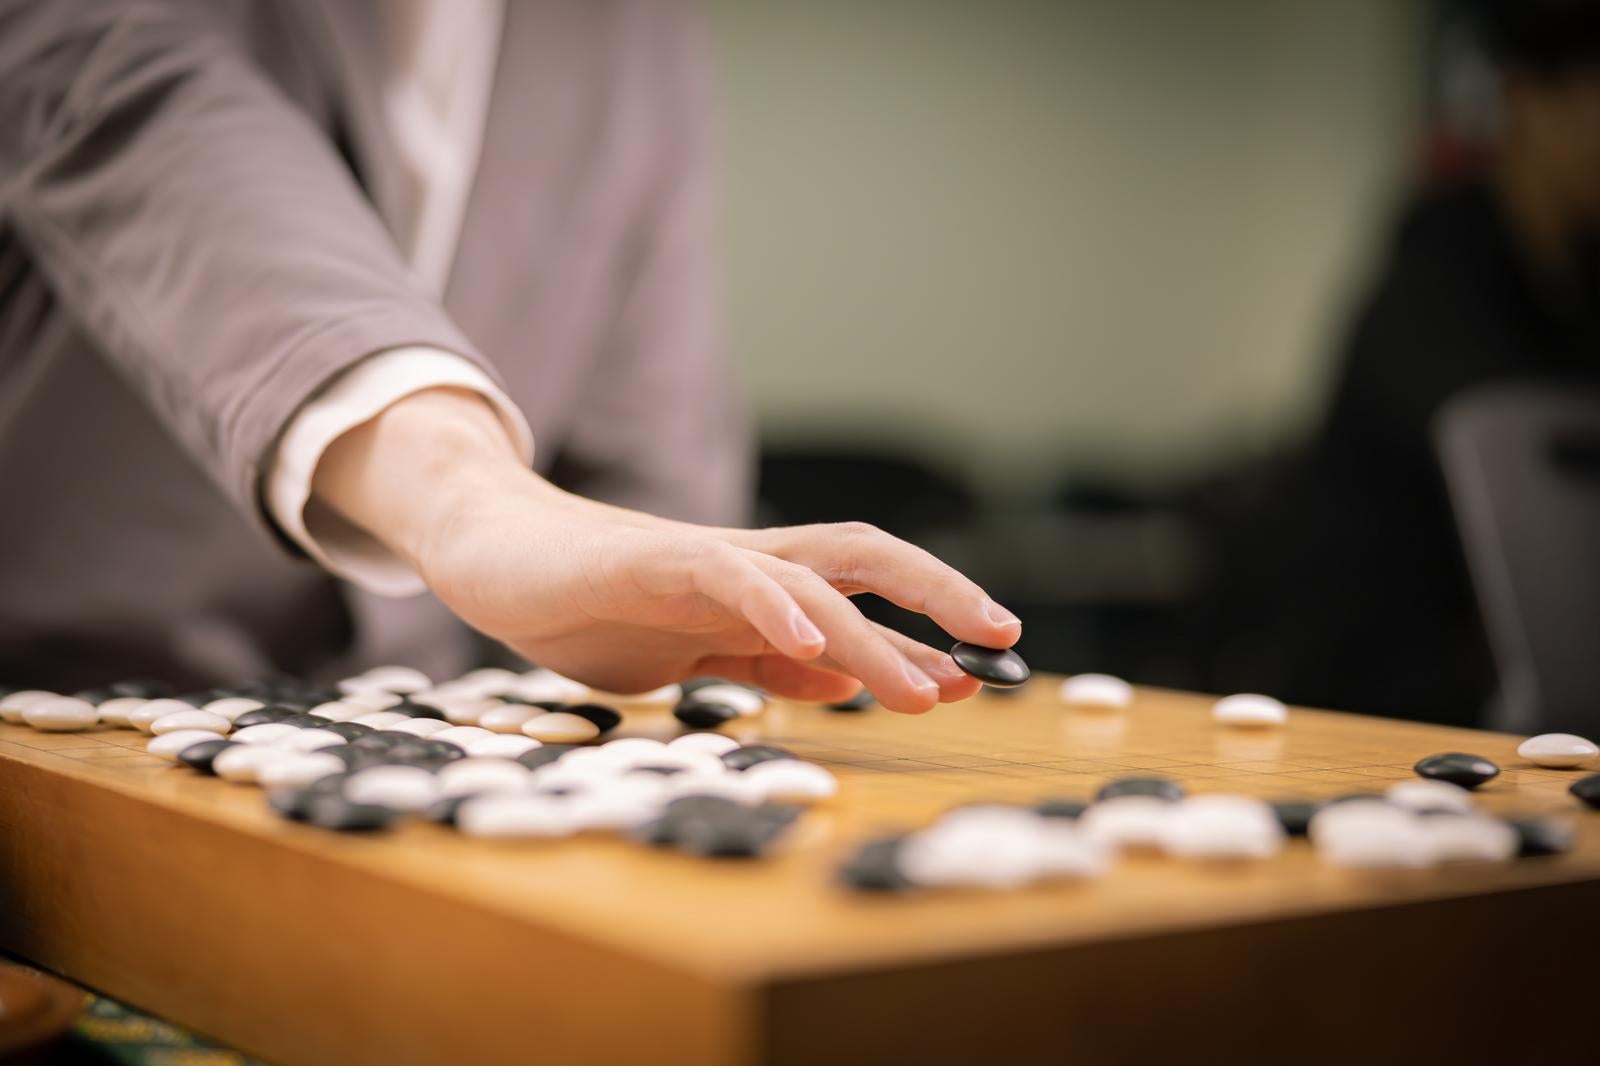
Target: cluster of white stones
{"x": 378, "y": 753}
{"x": 1414, "y": 824}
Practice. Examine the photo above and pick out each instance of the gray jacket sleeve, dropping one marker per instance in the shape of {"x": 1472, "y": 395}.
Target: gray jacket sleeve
{"x": 195, "y": 221}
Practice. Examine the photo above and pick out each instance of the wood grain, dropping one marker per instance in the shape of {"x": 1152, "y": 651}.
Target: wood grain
{"x": 186, "y": 896}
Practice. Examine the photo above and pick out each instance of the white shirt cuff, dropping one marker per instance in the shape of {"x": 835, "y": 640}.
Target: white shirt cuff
{"x": 358, "y": 395}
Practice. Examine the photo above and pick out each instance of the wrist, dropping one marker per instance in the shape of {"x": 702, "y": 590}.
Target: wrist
{"x": 406, "y": 474}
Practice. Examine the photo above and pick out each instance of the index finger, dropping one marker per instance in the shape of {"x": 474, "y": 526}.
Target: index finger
{"x": 857, "y": 557}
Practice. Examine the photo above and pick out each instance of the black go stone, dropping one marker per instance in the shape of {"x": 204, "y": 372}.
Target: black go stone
{"x": 418, "y": 710}
{"x": 1295, "y": 816}
{"x": 664, "y": 771}
{"x": 1543, "y": 836}
{"x": 1163, "y": 788}
{"x": 423, "y": 753}
{"x": 664, "y": 829}
{"x": 303, "y": 721}
{"x": 1060, "y": 808}
{"x": 1000, "y": 667}
{"x": 1587, "y": 789}
{"x": 353, "y": 757}
{"x": 337, "y": 813}
{"x": 746, "y": 757}
{"x": 387, "y": 738}
{"x": 96, "y": 696}
{"x": 1458, "y": 768}
{"x": 738, "y": 837}
{"x": 859, "y": 702}
{"x": 543, "y": 755}
{"x": 262, "y": 716}
{"x": 698, "y": 715}
{"x": 348, "y": 730}
{"x": 295, "y": 803}
{"x": 142, "y": 688}
{"x": 604, "y": 718}
{"x": 875, "y": 866}
{"x": 713, "y": 827}
{"x": 200, "y": 756}
{"x": 196, "y": 699}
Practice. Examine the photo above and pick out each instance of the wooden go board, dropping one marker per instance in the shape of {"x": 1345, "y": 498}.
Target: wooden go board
{"x": 185, "y": 896}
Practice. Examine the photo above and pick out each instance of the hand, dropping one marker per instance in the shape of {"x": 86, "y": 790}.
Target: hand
{"x": 626, "y": 601}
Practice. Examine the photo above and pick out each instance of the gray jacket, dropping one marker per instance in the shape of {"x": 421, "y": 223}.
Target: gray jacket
{"x": 194, "y": 208}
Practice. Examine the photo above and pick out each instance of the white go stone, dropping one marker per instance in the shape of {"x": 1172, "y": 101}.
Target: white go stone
{"x": 1065, "y": 851}
{"x": 420, "y": 727}
{"x": 1371, "y": 834}
{"x": 507, "y": 717}
{"x": 389, "y": 679}
{"x": 143, "y": 717}
{"x": 564, "y": 774}
{"x": 973, "y": 854}
{"x": 1127, "y": 821}
{"x": 1221, "y": 827}
{"x": 461, "y": 734}
{"x": 405, "y": 788}
{"x": 712, "y": 743}
{"x": 1096, "y": 690}
{"x": 633, "y": 750}
{"x": 558, "y": 727}
{"x": 265, "y": 733}
{"x": 372, "y": 699}
{"x": 500, "y": 746}
{"x": 115, "y": 712}
{"x": 744, "y": 700}
{"x": 381, "y": 719}
{"x": 599, "y": 759}
{"x": 622, "y": 804}
{"x": 489, "y": 681}
{"x": 1424, "y": 794}
{"x": 664, "y": 694}
{"x": 242, "y": 763}
{"x": 310, "y": 739}
{"x": 474, "y": 775}
{"x": 1469, "y": 838}
{"x": 169, "y": 745}
{"x": 688, "y": 761}
{"x": 191, "y": 719}
{"x": 61, "y": 714}
{"x": 792, "y": 781}
{"x": 500, "y": 815}
{"x": 1558, "y": 751}
{"x": 231, "y": 707}
{"x": 299, "y": 770}
{"x": 1248, "y": 709}
{"x": 338, "y": 711}
{"x": 12, "y": 706}
{"x": 468, "y": 711}
{"x": 547, "y": 685}
{"x": 730, "y": 786}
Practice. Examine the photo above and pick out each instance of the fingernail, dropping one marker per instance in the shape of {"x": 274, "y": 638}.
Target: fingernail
{"x": 999, "y": 615}
{"x": 919, "y": 680}
{"x": 805, "y": 632}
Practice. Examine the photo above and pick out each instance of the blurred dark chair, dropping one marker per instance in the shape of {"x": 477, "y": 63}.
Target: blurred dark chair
{"x": 1523, "y": 467}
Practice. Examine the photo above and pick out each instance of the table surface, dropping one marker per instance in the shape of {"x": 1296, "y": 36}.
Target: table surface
{"x": 742, "y": 926}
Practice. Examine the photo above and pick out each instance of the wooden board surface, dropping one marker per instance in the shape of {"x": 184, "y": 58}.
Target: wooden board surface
{"x": 142, "y": 879}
